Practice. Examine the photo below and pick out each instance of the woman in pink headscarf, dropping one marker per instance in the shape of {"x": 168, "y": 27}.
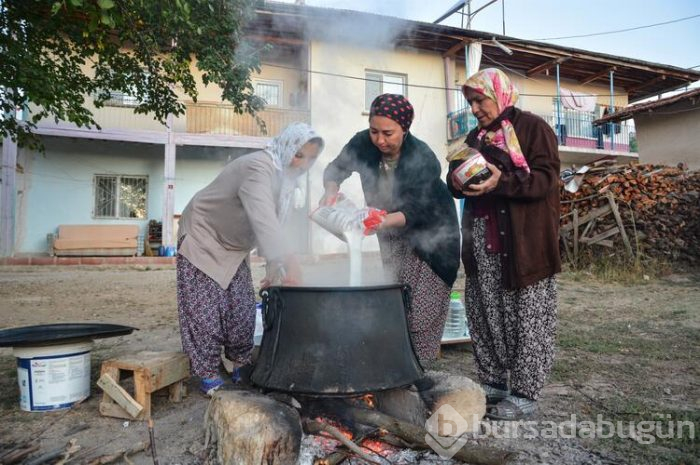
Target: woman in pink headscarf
{"x": 510, "y": 246}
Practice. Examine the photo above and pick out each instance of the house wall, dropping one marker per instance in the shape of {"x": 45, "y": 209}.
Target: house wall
{"x": 670, "y": 135}
{"x": 57, "y": 185}
{"x": 537, "y": 92}
{"x": 337, "y": 111}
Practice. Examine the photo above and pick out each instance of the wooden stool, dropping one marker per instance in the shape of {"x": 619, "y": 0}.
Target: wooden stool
{"x": 152, "y": 371}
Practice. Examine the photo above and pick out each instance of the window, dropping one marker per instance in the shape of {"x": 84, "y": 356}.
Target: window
{"x": 120, "y": 196}
{"x": 270, "y": 91}
{"x": 125, "y": 98}
{"x": 378, "y": 83}
{"x": 121, "y": 99}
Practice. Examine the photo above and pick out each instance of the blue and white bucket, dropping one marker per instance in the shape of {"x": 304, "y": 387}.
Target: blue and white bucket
{"x": 53, "y": 377}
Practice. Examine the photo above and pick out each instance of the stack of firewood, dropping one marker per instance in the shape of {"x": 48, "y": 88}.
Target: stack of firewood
{"x": 659, "y": 207}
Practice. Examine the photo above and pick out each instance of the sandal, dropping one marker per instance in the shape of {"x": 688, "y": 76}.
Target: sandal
{"x": 493, "y": 394}
{"x": 512, "y": 408}
{"x": 210, "y": 385}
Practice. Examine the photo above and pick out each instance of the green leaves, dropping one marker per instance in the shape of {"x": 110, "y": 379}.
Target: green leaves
{"x": 105, "y": 4}
{"x": 57, "y": 55}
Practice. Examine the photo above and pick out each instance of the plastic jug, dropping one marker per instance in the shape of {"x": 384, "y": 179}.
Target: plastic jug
{"x": 456, "y": 323}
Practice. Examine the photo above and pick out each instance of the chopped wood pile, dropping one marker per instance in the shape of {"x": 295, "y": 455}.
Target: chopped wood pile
{"x": 628, "y": 209}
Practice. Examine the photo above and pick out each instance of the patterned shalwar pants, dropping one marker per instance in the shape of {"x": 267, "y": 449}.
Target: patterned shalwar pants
{"x": 212, "y": 317}
{"x": 430, "y": 296}
{"x": 513, "y": 331}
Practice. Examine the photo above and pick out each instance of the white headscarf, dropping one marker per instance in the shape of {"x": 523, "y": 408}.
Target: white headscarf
{"x": 282, "y": 149}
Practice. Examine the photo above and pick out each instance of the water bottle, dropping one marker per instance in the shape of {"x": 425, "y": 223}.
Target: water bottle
{"x": 456, "y": 324}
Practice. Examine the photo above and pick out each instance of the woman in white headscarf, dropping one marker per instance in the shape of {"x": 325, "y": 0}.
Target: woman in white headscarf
{"x": 246, "y": 206}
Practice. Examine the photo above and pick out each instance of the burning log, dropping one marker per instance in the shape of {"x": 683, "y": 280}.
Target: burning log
{"x": 247, "y": 428}
{"x": 416, "y": 435}
{"x": 316, "y": 427}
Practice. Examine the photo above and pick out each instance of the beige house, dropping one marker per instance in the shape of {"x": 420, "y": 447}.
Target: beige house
{"x": 668, "y": 129}
{"x": 324, "y": 67}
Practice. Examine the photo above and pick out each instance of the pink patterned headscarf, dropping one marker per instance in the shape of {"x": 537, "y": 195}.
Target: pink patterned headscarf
{"x": 495, "y": 84}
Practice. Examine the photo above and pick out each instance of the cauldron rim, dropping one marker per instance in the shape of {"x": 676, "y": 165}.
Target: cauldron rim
{"x": 334, "y": 288}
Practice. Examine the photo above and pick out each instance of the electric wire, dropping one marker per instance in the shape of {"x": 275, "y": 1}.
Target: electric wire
{"x": 421, "y": 86}
{"x": 620, "y": 30}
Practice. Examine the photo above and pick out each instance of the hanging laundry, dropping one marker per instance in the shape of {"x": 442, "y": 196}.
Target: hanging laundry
{"x": 577, "y": 101}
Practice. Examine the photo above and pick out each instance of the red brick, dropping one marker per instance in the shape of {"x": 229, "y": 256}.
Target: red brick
{"x": 92, "y": 260}
{"x": 68, "y": 261}
{"x": 42, "y": 261}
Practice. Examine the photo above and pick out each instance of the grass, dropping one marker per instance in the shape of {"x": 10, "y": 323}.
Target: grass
{"x": 640, "y": 340}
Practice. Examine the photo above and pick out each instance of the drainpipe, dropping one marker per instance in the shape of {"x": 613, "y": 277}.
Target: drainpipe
{"x": 612, "y": 110}
{"x": 169, "y": 186}
{"x": 561, "y": 140}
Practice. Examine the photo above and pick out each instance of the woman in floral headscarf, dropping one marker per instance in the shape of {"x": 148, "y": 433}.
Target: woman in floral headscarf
{"x": 246, "y": 206}
{"x": 510, "y": 246}
{"x": 419, "y": 237}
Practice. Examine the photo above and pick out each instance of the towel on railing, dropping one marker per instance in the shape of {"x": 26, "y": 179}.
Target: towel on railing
{"x": 577, "y": 101}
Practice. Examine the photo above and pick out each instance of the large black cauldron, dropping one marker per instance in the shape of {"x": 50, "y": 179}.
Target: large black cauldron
{"x": 336, "y": 340}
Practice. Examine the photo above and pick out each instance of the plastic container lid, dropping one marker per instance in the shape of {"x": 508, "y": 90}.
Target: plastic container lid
{"x": 455, "y": 296}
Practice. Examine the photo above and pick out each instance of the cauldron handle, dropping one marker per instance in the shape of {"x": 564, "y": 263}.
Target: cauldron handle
{"x": 406, "y": 293}
{"x": 272, "y": 305}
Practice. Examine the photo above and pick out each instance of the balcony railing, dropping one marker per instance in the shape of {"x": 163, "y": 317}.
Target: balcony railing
{"x": 459, "y": 123}
{"x": 213, "y": 118}
{"x": 573, "y": 129}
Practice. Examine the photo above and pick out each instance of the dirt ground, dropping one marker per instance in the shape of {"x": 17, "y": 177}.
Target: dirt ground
{"x": 626, "y": 352}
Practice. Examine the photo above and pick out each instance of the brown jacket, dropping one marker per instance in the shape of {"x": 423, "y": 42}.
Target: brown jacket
{"x": 235, "y": 213}
{"x": 527, "y": 207}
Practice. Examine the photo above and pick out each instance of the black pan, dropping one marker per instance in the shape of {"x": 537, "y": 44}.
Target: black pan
{"x": 59, "y": 333}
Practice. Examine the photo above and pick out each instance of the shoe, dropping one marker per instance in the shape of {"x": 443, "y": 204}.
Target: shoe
{"x": 236, "y": 375}
{"x": 210, "y": 385}
{"x": 494, "y": 394}
{"x": 512, "y": 408}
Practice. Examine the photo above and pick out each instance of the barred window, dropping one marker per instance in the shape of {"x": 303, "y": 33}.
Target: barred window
{"x": 120, "y": 196}
{"x": 270, "y": 91}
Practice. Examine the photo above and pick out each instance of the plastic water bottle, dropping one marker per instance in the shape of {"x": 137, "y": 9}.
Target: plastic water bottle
{"x": 456, "y": 324}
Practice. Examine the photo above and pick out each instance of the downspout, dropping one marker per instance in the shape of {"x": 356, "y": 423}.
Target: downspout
{"x": 559, "y": 133}
{"x": 612, "y": 110}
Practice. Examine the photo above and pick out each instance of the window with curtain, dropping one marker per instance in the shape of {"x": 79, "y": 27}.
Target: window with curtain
{"x": 377, "y": 83}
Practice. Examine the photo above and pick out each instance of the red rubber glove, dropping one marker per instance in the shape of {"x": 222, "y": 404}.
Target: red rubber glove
{"x": 373, "y": 220}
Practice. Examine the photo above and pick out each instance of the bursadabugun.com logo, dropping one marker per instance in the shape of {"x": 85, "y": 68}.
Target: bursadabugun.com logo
{"x": 448, "y": 431}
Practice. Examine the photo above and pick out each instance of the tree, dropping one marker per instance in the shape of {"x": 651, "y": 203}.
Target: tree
{"x": 55, "y": 54}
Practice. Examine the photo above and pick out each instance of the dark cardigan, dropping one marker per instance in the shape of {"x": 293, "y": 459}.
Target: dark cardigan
{"x": 527, "y": 207}
{"x": 432, "y": 228}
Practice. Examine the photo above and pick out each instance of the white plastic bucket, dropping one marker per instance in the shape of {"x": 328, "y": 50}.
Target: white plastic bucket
{"x": 53, "y": 377}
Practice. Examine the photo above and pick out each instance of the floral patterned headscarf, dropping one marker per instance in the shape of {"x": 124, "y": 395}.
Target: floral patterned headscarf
{"x": 282, "y": 150}
{"x": 495, "y": 84}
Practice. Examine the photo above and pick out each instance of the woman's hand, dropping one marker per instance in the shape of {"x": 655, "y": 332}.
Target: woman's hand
{"x": 390, "y": 220}
{"x": 485, "y": 187}
{"x": 286, "y": 273}
{"x": 292, "y": 275}
{"x": 330, "y": 195}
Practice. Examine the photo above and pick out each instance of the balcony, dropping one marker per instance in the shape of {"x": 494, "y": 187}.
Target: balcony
{"x": 216, "y": 118}
{"x": 573, "y": 129}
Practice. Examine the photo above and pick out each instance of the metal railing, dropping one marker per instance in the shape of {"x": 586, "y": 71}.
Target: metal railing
{"x": 459, "y": 123}
{"x": 573, "y": 128}
{"x": 215, "y": 118}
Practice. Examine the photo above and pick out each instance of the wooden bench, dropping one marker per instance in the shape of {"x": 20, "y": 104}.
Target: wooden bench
{"x": 94, "y": 240}
{"x": 151, "y": 371}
